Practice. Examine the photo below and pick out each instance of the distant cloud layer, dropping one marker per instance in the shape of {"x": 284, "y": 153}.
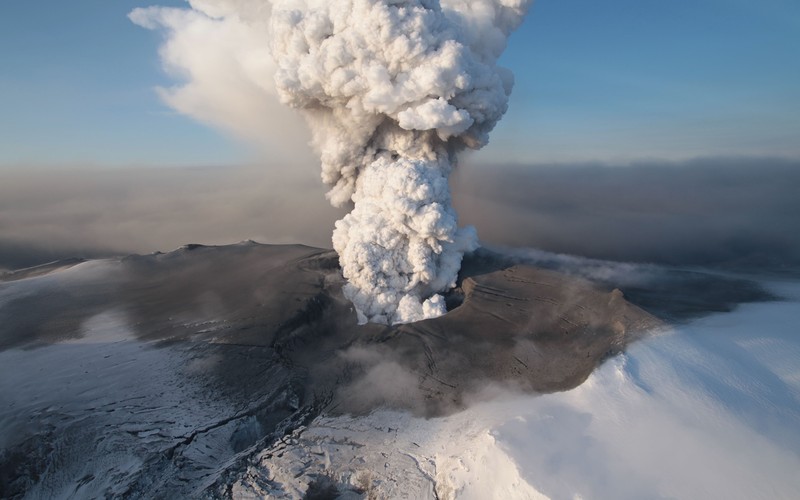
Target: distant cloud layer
{"x": 705, "y": 211}
{"x": 48, "y": 214}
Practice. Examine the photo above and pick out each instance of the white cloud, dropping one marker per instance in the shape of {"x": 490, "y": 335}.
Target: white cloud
{"x": 222, "y": 59}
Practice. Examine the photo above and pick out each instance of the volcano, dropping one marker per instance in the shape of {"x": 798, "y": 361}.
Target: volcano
{"x": 162, "y": 373}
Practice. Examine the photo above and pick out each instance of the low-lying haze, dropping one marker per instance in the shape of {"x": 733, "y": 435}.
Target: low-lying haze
{"x": 711, "y": 211}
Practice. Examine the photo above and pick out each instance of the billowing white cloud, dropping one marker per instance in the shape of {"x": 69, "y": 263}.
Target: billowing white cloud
{"x": 392, "y": 91}
{"x": 218, "y": 51}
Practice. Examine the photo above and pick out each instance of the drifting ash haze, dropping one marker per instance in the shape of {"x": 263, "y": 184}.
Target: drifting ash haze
{"x": 392, "y": 92}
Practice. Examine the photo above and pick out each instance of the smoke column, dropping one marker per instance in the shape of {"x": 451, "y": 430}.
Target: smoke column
{"x": 392, "y": 91}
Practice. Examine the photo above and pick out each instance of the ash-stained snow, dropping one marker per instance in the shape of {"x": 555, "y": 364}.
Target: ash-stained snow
{"x": 710, "y": 409}
{"x": 228, "y": 372}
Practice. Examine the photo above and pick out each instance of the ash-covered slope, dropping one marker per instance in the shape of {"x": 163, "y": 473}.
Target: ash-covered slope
{"x": 161, "y": 374}
{"x": 527, "y": 328}
{"x": 536, "y": 329}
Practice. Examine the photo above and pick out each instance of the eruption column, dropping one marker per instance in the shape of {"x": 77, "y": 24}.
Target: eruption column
{"x": 393, "y": 90}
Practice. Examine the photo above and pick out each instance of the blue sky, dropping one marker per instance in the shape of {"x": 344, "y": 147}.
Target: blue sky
{"x": 596, "y": 81}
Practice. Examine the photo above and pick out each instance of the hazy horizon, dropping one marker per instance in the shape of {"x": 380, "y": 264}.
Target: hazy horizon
{"x": 713, "y": 211}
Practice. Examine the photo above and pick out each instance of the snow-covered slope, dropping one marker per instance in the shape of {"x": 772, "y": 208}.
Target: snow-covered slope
{"x": 197, "y": 374}
{"x": 710, "y": 409}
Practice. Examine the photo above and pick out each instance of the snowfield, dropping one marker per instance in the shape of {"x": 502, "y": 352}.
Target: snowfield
{"x": 709, "y": 409}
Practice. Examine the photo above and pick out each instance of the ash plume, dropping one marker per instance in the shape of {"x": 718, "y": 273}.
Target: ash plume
{"x": 392, "y": 91}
